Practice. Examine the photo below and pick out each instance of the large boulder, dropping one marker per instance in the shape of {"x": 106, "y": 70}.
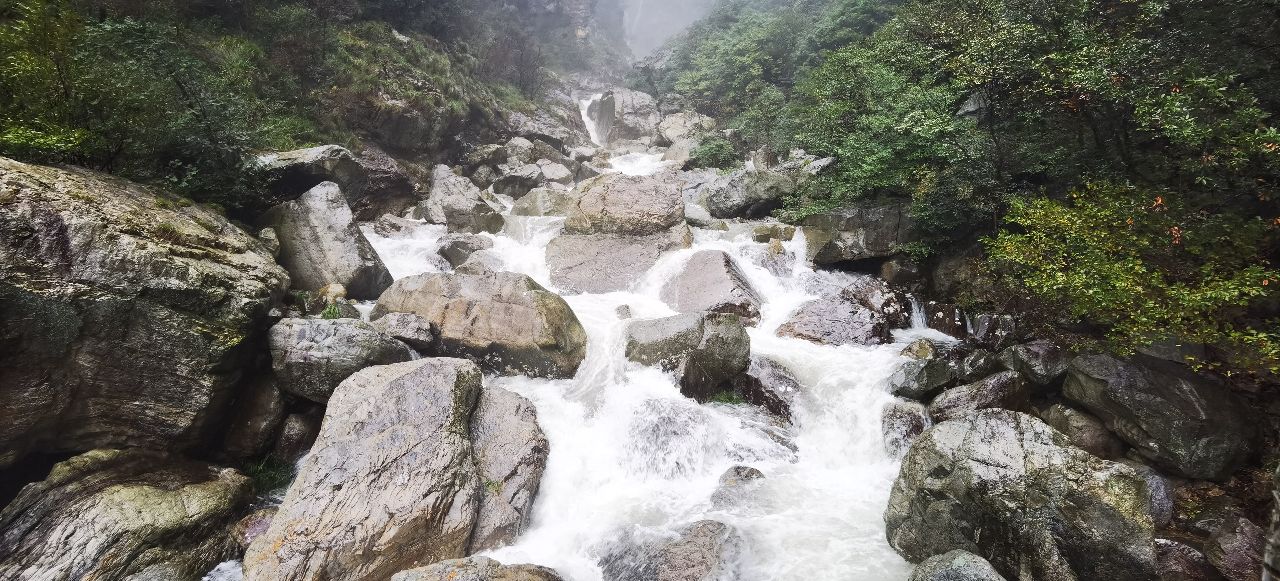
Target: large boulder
{"x": 145, "y": 311}
{"x": 747, "y": 194}
{"x": 477, "y": 569}
{"x": 858, "y": 233}
{"x": 1179, "y": 420}
{"x": 545, "y": 202}
{"x": 1236, "y": 549}
{"x": 311, "y": 357}
{"x": 255, "y": 417}
{"x": 503, "y": 320}
{"x": 768, "y": 384}
{"x": 712, "y": 282}
{"x": 901, "y": 422}
{"x": 1041, "y": 362}
{"x": 456, "y": 202}
{"x": 707, "y": 351}
{"x": 1005, "y": 486}
{"x": 621, "y": 204}
{"x": 390, "y": 484}
{"x": 861, "y": 313}
{"x": 636, "y": 115}
{"x": 290, "y": 173}
{"x": 390, "y": 189}
{"x": 1006, "y": 390}
{"x": 113, "y": 514}
{"x": 321, "y": 244}
{"x": 1085, "y": 431}
{"x": 601, "y": 263}
{"x": 683, "y": 125}
{"x": 955, "y": 566}
{"x": 511, "y": 453}
{"x": 925, "y": 374}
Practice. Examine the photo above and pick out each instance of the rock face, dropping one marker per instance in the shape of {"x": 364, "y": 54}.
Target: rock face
{"x": 110, "y": 514}
{"x": 621, "y": 204}
{"x": 706, "y": 351}
{"x": 1086, "y": 431}
{"x": 1006, "y": 390}
{"x": 683, "y": 125}
{"x": 861, "y": 313}
{"x": 311, "y": 357}
{"x": 477, "y": 569}
{"x": 858, "y": 233}
{"x": 1041, "y": 362}
{"x": 1005, "y": 486}
{"x": 390, "y": 190}
{"x": 711, "y": 282}
{"x": 1171, "y": 416}
{"x": 902, "y": 422}
{"x": 1180, "y": 562}
{"x": 747, "y": 194}
{"x": 458, "y": 203}
{"x": 321, "y": 244}
{"x": 390, "y": 484}
{"x": 503, "y": 320}
{"x": 600, "y": 263}
{"x": 510, "y": 453}
{"x": 145, "y": 309}
{"x": 254, "y": 419}
{"x": 290, "y": 173}
{"x": 955, "y": 566}
{"x": 1235, "y": 550}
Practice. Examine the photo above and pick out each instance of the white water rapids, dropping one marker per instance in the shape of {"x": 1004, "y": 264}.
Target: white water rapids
{"x": 632, "y": 457}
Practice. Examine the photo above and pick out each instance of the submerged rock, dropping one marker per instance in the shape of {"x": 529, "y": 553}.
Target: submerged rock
{"x": 712, "y": 282}
{"x": 311, "y": 357}
{"x": 734, "y": 484}
{"x": 706, "y": 551}
{"x": 321, "y": 244}
{"x": 706, "y": 351}
{"x": 502, "y": 320}
{"x": 511, "y": 454}
{"x": 1005, "y": 486}
{"x": 955, "y": 566}
{"x": 1177, "y": 419}
{"x": 600, "y": 263}
{"x": 113, "y": 514}
{"x": 146, "y": 308}
{"x": 393, "y": 436}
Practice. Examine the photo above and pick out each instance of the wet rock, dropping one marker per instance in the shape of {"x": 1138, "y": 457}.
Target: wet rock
{"x": 620, "y": 204}
{"x": 410, "y": 329}
{"x": 921, "y": 378}
{"x": 993, "y": 331}
{"x": 1085, "y": 431}
{"x": 734, "y": 483}
{"x": 393, "y": 435}
{"x": 477, "y": 569}
{"x": 254, "y": 419}
{"x": 290, "y": 173}
{"x": 394, "y": 226}
{"x": 1006, "y": 390}
{"x": 600, "y": 263}
{"x": 1179, "y": 562}
{"x": 297, "y": 433}
{"x": 858, "y": 233}
{"x": 768, "y": 384}
{"x": 457, "y": 248}
{"x": 1179, "y": 420}
{"x": 900, "y": 271}
{"x": 311, "y": 357}
{"x": 711, "y": 282}
{"x": 706, "y": 351}
{"x": 976, "y": 365}
{"x": 459, "y": 204}
{"x": 747, "y": 194}
{"x": 545, "y": 202}
{"x": 955, "y": 565}
{"x": 252, "y": 526}
{"x": 902, "y": 422}
{"x": 518, "y": 181}
{"x": 706, "y": 551}
{"x": 861, "y": 313}
{"x": 636, "y": 115}
{"x": 945, "y": 317}
{"x": 510, "y": 454}
{"x": 1005, "y": 486}
{"x": 1041, "y": 362}
{"x": 390, "y": 190}
{"x": 144, "y": 309}
{"x": 502, "y": 320}
{"x": 1235, "y": 550}
{"x": 109, "y": 514}
{"x": 320, "y": 243}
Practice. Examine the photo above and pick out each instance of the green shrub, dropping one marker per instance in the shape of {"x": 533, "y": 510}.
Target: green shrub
{"x": 714, "y": 152}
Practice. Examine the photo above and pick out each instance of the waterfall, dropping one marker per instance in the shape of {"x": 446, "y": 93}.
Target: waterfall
{"x": 598, "y": 113}
{"x": 918, "y": 320}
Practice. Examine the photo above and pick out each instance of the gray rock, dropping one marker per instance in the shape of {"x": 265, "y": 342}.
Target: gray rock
{"x": 747, "y": 194}
{"x": 477, "y": 569}
{"x": 1272, "y": 556}
{"x": 254, "y": 419}
{"x": 993, "y": 331}
{"x": 683, "y": 125}
{"x": 457, "y": 248}
{"x": 921, "y": 378}
{"x": 1179, "y": 420}
{"x": 955, "y": 565}
{"x": 1159, "y": 493}
{"x": 706, "y": 551}
{"x": 636, "y": 115}
{"x": 600, "y": 263}
{"x": 290, "y": 173}
{"x": 1179, "y": 562}
{"x": 270, "y": 240}
{"x": 977, "y": 365}
{"x": 518, "y": 181}
{"x": 1005, "y": 486}
{"x": 504, "y": 321}
{"x": 397, "y": 125}
{"x": 412, "y": 330}
{"x": 620, "y": 204}
{"x": 768, "y": 384}
{"x": 511, "y": 454}
{"x": 393, "y": 435}
{"x": 706, "y": 351}
{"x": 555, "y": 172}
{"x": 1006, "y": 390}
{"x": 458, "y": 203}
{"x": 1085, "y": 431}
{"x": 297, "y": 433}
{"x": 861, "y": 313}
{"x": 390, "y": 190}
{"x": 680, "y": 152}
{"x": 900, "y": 271}
{"x": 320, "y": 244}
{"x": 711, "y": 282}
{"x": 110, "y": 514}
{"x": 901, "y": 423}
{"x": 858, "y": 233}
{"x": 311, "y": 357}
{"x": 545, "y": 202}
{"x": 1041, "y": 362}
{"x": 734, "y": 484}
{"x": 144, "y": 309}
{"x": 1235, "y": 550}
{"x": 518, "y": 151}
{"x": 252, "y": 526}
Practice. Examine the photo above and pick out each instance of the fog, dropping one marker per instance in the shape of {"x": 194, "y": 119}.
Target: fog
{"x": 650, "y": 23}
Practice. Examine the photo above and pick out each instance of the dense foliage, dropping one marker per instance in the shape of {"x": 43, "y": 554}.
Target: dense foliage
{"x": 1121, "y": 155}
